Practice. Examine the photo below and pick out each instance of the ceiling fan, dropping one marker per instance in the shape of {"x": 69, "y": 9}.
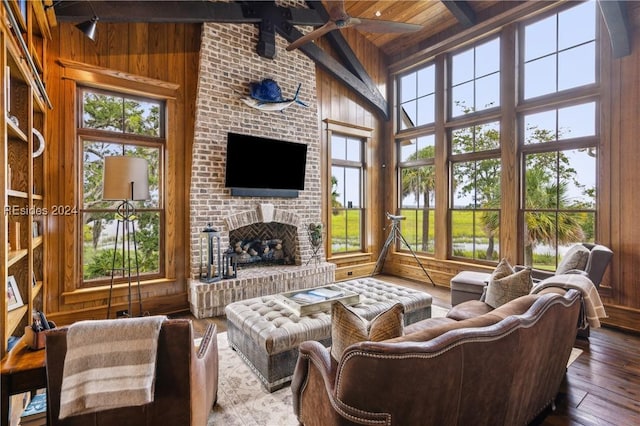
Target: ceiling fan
{"x": 340, "y": 19}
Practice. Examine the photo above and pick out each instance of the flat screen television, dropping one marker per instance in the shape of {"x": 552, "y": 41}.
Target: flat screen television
{"x": 264, "y": 167}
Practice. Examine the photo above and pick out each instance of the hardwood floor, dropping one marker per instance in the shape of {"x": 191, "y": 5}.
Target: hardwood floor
{"x": 602, "y": 387}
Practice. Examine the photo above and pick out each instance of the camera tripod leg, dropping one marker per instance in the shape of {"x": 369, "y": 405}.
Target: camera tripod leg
{"x": 416, "y": 258}
{"x": 383, "y": 252}
{"x": 395, "y": 234}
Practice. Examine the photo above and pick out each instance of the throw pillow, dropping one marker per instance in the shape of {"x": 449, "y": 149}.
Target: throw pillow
{"x": 503, "y": 269}
{"x": 347, "y": 327}
{"x": 575, "y": 258}
{"x": 505, "y": 289}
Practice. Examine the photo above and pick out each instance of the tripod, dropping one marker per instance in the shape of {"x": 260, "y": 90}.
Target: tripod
{"x": 396, "y": 235}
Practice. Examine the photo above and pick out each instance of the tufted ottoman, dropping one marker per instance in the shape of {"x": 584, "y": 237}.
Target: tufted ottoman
{"x": 266, "y": 335}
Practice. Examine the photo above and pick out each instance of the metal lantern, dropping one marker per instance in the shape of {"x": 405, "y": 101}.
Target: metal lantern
{"x": 230, "y": 266}
{"x": 210, "y": 258}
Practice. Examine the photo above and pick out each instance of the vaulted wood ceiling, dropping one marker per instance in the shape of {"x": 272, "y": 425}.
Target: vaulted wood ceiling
{"x": 434, "y": 16}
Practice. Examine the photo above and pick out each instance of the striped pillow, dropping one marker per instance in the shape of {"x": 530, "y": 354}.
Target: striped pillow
{"x": 347, "y": 327}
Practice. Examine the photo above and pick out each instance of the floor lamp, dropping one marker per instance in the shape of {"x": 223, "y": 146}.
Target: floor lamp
{"x": 125, "y": 179}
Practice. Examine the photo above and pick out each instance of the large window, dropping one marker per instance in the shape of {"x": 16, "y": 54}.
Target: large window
{"x": 475, "y": 78}
{"x": 475, "y": 207}
{"x": 417, "y": 189}
{"x": 560, "y": 135}
{"x": 515, "y": 135}
{"x": 475, "y": 152}
{"x": 115, "y": 124}
{"x": 417, "y": 98}
{"x": 560, "y": 51}
{"x": 347, "y": 194}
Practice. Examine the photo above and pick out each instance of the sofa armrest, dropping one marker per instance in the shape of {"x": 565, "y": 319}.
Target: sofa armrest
{"x": 312, "y": 355}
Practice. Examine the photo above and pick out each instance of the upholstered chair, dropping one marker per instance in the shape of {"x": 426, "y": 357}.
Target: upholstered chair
{"x": 597, "y": 262}
{"x": 186, "y": 381}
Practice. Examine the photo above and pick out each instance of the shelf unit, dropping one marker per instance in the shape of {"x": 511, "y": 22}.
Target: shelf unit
{"x": 24, "y": 31}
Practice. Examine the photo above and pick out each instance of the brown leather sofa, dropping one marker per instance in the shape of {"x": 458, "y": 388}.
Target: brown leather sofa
{"x": 185, "y": 388}
{"x": 501, "y": 368}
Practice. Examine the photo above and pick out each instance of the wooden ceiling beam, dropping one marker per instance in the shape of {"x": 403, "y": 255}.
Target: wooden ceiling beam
{"x": 350, "y": 60}
{"x": 462, "y": 11}
{"x": 615, "y": 16}
{"x": 146, "y": 11}
{"x": 336, "y": 70}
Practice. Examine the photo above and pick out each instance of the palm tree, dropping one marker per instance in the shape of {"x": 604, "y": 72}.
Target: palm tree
{"x": 421, "y": 181}
{"x": 551, "y": 228}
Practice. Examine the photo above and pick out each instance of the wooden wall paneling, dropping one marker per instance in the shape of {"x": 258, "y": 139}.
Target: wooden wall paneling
{"x": 70, "y": 197}
{"x": 341, "y": 105}
{"x": 626, "y": 289}
{"x": 157, "y": 52}
{"x": 510, "y": 189}
{"x": 71, "y": 42}
{"x": 117, "y": 49}
{"x": 173, "y": 161}
{"x": 169, "y": 53}
{"x": 53, "y": 182}
{"x": 442, "y": 184}
{"x": 608, "y": 178}
{"x": 138, "y": 49}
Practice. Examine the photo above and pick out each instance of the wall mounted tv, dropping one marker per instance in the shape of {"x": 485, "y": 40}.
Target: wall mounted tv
{"x": 263, "y": 167}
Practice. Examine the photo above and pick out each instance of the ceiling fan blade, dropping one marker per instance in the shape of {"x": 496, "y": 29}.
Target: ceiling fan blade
{"x": 317, "y": 33}
{"x": 378, "y": 26}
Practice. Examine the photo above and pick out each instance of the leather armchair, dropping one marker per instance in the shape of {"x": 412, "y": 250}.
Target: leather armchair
{"x": 186, "y": 381}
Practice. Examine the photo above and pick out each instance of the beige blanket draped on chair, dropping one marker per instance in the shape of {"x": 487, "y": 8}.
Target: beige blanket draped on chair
{"x": 109, "y": 364}
{"x": 592, "y": 304}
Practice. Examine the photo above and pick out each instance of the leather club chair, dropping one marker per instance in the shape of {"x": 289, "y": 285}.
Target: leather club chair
{"x": 185, "y": 388}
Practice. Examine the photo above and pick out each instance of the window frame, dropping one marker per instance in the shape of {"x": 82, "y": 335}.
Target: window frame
{"x": 508, "y": 114}
{"x": 360, "y": 166}
{"x": 415, "y": 164}
{"x": 363, "y": 134}
{"x": 87, "y": 135}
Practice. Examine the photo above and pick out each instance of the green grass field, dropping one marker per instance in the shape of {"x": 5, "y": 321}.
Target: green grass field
{"x": 462, "y": 235}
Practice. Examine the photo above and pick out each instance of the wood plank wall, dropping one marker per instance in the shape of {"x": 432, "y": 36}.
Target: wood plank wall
{"x": 619, "y": 180}
{"x": 339, "y": 104}
{"x": 166, "y": 52}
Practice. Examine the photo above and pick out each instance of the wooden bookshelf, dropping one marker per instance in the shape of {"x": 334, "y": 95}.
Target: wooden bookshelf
{"x": 24, "y": 102}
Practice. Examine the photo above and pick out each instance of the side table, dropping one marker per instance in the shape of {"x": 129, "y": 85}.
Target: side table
{"x": 22, "y": 370}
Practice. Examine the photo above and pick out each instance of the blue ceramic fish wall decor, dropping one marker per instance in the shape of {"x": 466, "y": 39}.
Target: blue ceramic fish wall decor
{"x": 267, "y": 96}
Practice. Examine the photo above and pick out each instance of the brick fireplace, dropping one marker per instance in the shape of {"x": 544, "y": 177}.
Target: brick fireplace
{"x": 228, "y": 63}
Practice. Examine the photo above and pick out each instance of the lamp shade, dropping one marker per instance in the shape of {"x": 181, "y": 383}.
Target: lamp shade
{"x": 89, "y": 28}
{"x": 125, "y": 178}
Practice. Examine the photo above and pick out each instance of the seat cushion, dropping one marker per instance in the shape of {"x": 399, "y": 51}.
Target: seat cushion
{"x": 468, "y": 309}
{"x": 347, "y": 327}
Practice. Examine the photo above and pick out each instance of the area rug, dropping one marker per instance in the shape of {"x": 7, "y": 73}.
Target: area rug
{"x": 575, "y": 353}
{"x": 242, "y": 400}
